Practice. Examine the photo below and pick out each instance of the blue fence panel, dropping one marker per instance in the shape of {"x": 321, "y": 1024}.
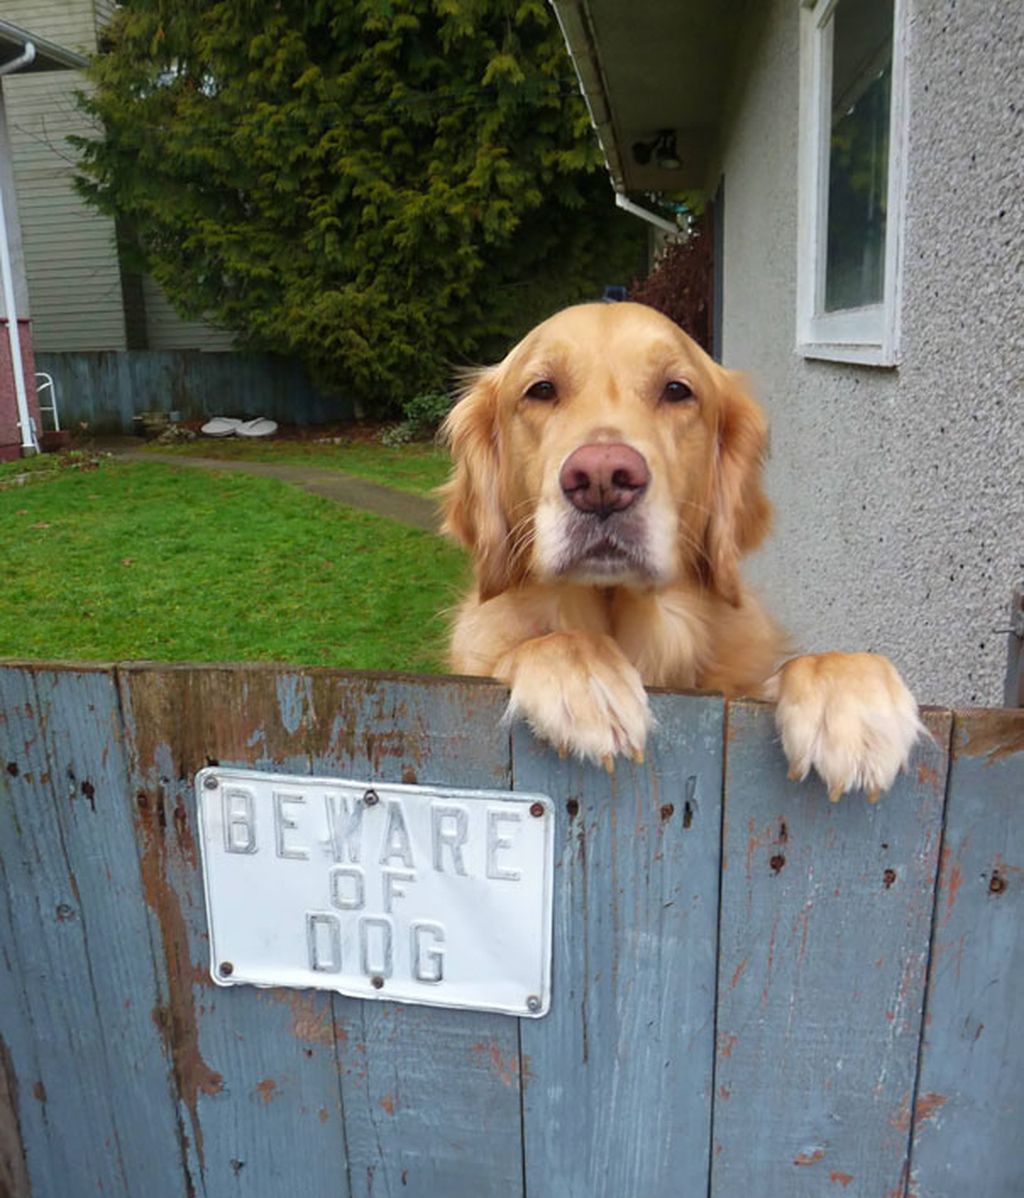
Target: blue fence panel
{"x": 754, "y": 991}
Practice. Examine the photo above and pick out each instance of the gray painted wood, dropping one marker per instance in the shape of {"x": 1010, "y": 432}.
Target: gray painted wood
{"x": 255, "y": 1070}
{"x": 826, "y": 918}
{"x": 106, "y": 390}
{"x": 968, "y": 1116}
{"x": 78, "y": 990}
{"x": 431, "y": 1097}
{"x": 617, "y": 1078}
{"x": 123, "y": 1067}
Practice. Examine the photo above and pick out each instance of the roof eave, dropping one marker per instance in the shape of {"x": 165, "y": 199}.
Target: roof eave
{"x": 574, "y": 21}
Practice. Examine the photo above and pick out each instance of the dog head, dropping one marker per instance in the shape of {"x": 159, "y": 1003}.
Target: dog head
{"x": 606, "y": 449}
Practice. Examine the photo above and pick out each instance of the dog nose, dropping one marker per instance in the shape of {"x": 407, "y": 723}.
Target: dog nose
{"x": 601, "y": 479}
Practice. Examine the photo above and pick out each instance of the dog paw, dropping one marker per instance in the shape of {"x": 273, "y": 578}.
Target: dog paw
{"x": 578, "y": 692}
{"x": 848, "y": 716}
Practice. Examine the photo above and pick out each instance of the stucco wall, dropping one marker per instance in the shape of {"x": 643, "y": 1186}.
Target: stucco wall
{"x": 899, "y": 493}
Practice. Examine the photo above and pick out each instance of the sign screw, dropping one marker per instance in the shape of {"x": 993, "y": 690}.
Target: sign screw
{"x": 225, "y": 969}
{"x": 536, "y": 810}
{"x": 377, "y": 982}
{"x": 533, "y": 1003}
{"x": 371, "y": 799}
{"x": 211, "y": 782}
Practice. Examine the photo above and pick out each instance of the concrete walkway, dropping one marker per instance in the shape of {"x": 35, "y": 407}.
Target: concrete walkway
{"x": 413, "y": 510}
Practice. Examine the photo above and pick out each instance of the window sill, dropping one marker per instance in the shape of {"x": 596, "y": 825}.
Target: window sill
{"x": 859, "y": 355}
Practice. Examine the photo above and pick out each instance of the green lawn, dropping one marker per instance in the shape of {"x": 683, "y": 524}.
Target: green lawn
{"x": 417, "y": 467}
{"x": 133, "y": 561}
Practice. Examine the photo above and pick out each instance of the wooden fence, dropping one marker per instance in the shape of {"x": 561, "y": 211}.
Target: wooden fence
{"x": 106, "y": 390}
{"x": 756, "y": 994}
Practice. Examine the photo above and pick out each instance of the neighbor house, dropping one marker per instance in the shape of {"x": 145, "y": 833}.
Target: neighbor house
{"x": 20, "y": 51}
{"x": 106, "y": 333}
{"x": 83, "y": 296}
{"x": 864, "y": 166}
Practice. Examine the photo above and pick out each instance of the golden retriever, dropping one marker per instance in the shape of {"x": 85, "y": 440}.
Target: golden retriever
{"x": 607, "y": 481}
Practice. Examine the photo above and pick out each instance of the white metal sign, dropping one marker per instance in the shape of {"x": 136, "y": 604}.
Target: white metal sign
{"x": 408, "y": 893}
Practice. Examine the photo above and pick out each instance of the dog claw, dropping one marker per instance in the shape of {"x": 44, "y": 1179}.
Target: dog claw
{"x": 608, "y": 761}
{"x": 563, "y": 752}
{"x": 835, "y": 793}
{"x": 794, "y": 774}
{"x": 874, "y": 794}
{"x": 638, "y": 757}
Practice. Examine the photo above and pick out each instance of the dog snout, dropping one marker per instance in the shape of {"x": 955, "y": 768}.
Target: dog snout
{"x": 600, "y": 479}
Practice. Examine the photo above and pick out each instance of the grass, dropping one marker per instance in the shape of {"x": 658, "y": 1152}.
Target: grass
{"x": 417, "y": 467}
{"x": 143, "y": 561}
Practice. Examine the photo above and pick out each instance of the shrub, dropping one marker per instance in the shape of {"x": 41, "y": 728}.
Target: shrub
{"x": 680, "y": 284}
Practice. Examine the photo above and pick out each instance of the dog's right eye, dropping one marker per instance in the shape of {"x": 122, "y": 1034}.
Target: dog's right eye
{"x": 544, "y": 390}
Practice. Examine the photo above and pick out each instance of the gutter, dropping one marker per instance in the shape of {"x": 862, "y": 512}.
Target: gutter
{"x": 28, "y": 441}
{"x": 574, "y": 22}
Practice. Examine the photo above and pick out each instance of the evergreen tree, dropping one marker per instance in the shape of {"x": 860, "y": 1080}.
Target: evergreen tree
{"x": 383, "y": 187}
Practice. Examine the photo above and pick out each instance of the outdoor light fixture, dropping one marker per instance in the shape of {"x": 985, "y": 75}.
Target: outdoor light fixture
{"x": 662, "y": 148}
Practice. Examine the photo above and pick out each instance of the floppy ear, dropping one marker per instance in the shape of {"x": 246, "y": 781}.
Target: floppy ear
{"x": 471, "y": 500}
{"x": 740, "y": 513}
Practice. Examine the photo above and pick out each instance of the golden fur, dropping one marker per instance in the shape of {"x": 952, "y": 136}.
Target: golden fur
{"x": 577, "y": 638}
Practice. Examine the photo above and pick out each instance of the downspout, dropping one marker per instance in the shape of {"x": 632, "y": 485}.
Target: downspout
{"x": 28, "y": 445}
{"x": 652, "y": 218}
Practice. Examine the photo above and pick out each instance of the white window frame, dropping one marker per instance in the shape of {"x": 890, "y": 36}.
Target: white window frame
{"x": 869, "y": 335}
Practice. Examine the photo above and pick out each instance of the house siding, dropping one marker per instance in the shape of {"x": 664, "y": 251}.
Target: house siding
{"x": 69, "y": 23}
{"x": 71, "y": 263}
{"x": 75, "y": 282}
{"x": 898, "y": 491}
{"x": 167, "y": 330}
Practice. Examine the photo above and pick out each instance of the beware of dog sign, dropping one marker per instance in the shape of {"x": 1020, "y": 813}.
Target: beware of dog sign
{"x": 408, "y": 893}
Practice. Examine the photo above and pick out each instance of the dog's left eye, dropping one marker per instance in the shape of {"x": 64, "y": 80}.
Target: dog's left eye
{"x": 677, "y": 391}
{"x": 545, "y": 389}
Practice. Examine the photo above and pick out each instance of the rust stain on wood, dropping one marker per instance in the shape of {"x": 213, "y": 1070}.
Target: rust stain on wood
{"x": 726, "y": 1043}
{"x": 990, "y": 734}
{"x": 927, "y": 774}
{"x": 926, "y": 1107}
{"x": 507, "y": 1069}
{"x": 843, "y": 1179}
{"x": 186, "y": 841}
{"x": 809, "y": 1158}
{"x": 14, "y": 1182}
{"x": 312, "y": 1025}
{"x": 175, "y": 1021}
{"x": 266, "y": 1088}
{"x": 388, "y": 1104}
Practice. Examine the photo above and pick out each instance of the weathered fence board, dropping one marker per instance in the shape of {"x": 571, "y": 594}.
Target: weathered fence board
{"x": 256, "y": 1078}
{"x": 738, "y": 979}
{"x": 106, "y": 390}
{"x": 617, "y": 1077}
{"x": 826, "y": 917}
{"x": 431, "y": 1097}
{"x": 96, "y": 1110}
{"x": 968, "y": 1116}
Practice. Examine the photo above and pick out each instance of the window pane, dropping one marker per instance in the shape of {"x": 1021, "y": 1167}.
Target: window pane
{"x": 858, "y": 153}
